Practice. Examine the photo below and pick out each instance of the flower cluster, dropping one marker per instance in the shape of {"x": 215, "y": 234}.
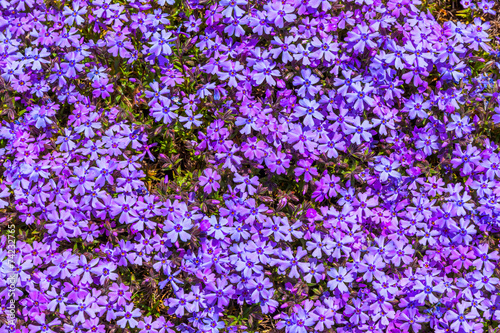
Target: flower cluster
{"x": 210, "y": 166}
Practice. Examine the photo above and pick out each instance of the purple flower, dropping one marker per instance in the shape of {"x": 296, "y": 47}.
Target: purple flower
{"x": 181, "y": 302}
{"x": 339, "y": 279}
{"x": 191, "y": 119}
{"x": 43, "y": 326}
{"x": 105, "y": 271}
{"x": 247, "y": 183}
{"x": 233, "y": 7}
{"x": 264, "y": 70}
{"x": 327, "y": 187}
{"x": 278, "y": 163}
{"x": 102, "y": 88}
{"x": 177, "y": 230}
{"x": 326, "y": 48}
{"x": 411, "y": 319}
{"x": 231, "y": 70}
{"x": 284, "y": 48}
{"x": 309, "y": 109}
{"x": 82, "y": 306}
{"x": 119, "y": 294}
{"x": 356, "y": 311}
{"x": 234, "y": 26}
{"x": 164, "y": 111}
{"x": 72, "y": 66}
{"x": 371, "y": 266}
{"x": 37, "y": 58}
{"x": 82, "y": 180}
{"x": 427, "y": 142}
{"x": 361, "y": 37}
{"x": 120, "y": 47}
{"x": 487, "y": 7}
{"x": 148, "y": 325}
{"x": 128, "y": 314}
{"x": 306, "y": 83}
{"x": 124, "y": 206}
{"x": 22, "y": 83}
{"x": 213, "y": 324}
{"x": 74, "y": 15}
{"x": 210, "y": 181}
{"x": 315, "y": 271}
{"x": 462, "y": 257}
{"x": 449, "y": 52}
{"x": 301, "y": 139}
{"x": 292, "y": 261}
{"x": 278, "y": 13}
{"x": 219, "y": 228}
{"x": 160, "y": 43}
{"x": 305, "y": 168}
{"x": 64, "y": 263}
{"x": 426, "y": 290}
{"x": 483, "y": 257}
{"x": 387, "y": 168}
{"x": 323, "y": 317}
{"x": 485, "y": 280}
{"x": 468, "y": 158}
{"x": 463, "y": 231}
{"x": 459, "y": 318}
{"x": 459, "y": 125}
{"x": 219, "y": 293}
{"x": 359, "y": 130}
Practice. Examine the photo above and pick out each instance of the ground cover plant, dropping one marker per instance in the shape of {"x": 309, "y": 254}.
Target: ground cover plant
{"x": 249, "y": 166}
